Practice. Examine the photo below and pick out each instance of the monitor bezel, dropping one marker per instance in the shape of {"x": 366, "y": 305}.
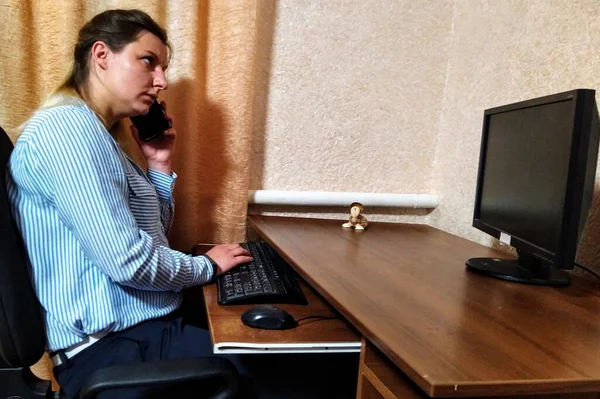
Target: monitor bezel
{"x": 584, "y": 104}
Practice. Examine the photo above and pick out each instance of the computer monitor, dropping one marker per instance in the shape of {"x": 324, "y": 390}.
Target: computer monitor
{"x": 537, "y": 168}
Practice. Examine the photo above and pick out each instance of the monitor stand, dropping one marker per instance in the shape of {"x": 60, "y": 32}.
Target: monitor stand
{"x": 527, "y": 269}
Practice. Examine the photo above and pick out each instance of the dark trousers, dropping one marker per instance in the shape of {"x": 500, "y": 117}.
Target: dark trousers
{"x": 263, "y": 376}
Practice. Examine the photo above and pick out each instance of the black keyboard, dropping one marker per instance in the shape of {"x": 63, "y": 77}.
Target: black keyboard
{"x": 267, "y": 279}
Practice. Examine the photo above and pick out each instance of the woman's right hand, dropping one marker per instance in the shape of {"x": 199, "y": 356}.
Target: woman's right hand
{"x": 228, "y": 256}
{"x": 158, "y": 152}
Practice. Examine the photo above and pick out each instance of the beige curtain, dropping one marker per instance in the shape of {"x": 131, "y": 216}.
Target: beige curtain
{"x": 210, "y": 95}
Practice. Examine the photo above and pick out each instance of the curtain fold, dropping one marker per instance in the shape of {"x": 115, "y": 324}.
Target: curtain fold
{"x": 210, "y": 97}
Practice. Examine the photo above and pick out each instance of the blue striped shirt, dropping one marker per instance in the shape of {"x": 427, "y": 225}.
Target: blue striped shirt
{"x": 94, "y": 225}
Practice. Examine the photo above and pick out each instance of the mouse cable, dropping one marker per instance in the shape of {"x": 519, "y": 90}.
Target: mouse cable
{"x": 590, "y": 271}
{"x": 317, "y": 317}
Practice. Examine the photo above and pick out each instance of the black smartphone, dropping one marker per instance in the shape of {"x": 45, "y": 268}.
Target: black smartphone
{"x": 152, "y": 124}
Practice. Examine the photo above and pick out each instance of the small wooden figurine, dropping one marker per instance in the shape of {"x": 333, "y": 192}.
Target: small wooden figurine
{"x": 358, "y": 221}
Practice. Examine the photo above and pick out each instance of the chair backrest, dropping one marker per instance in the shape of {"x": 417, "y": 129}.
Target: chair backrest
{"x": 22, "y": 337}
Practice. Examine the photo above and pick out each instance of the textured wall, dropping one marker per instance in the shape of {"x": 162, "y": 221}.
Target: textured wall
{"x": 502, "y": 52}
{"x": 388, "y": 96}
{"x": 353, "y": 97}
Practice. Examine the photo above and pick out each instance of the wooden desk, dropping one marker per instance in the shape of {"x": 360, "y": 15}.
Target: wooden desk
{"x": 432, "y": 328}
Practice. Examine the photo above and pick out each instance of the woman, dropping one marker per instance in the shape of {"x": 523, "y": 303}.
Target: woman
{"x": 95, "y": 225}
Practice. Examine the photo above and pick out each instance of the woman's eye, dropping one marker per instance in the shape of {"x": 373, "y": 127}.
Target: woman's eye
{"x": 148, "y": 60}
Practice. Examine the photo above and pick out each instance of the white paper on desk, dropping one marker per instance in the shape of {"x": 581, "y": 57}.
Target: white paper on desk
{"x": 313, "y": 347}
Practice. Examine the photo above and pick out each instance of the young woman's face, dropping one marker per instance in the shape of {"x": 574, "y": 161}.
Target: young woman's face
{"x": 136, "y": 74}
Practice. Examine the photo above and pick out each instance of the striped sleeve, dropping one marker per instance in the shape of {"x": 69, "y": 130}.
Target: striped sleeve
{"x": 164, "y": 184}
{"x": 71, "y": 155}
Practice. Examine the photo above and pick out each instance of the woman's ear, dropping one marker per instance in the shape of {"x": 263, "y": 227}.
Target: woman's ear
{"x": 99, "y": 54}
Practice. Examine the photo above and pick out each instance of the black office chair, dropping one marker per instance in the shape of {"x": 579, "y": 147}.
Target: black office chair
{"x": 22, "y": 339}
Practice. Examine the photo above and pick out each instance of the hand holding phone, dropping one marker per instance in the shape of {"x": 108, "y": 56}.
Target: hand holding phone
{"x": 152, "y": 124}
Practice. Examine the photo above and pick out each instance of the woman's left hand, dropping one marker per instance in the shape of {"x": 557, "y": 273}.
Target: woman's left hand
{"x": 158, "y": 151}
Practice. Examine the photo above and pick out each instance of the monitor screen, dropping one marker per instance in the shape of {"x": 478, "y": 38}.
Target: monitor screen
{"x": 537, "y": 169}
{"x": 526, "y": 168}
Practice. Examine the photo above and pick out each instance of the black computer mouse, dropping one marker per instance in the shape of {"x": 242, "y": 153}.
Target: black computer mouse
{"x": 268, "y": 317}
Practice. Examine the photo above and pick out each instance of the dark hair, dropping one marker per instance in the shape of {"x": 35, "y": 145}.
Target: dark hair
{"x": 116, "y": 28}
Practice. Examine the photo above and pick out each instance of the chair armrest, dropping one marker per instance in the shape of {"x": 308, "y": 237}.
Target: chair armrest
{"x": 164, "y": 372}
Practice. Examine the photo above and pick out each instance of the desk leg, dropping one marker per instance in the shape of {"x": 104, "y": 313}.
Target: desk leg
{"x": 364, "y": 390}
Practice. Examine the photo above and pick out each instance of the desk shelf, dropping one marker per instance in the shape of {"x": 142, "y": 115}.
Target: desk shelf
{"x": 379, "y": 378}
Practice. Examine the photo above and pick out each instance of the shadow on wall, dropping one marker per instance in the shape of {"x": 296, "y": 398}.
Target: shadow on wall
{"x": 201, "y": 163}
{"x": 589, "y": 251}
{"x": 212, "y": 186}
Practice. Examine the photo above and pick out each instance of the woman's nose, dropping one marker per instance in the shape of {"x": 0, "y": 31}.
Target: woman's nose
{"x": 160, "y": 80}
